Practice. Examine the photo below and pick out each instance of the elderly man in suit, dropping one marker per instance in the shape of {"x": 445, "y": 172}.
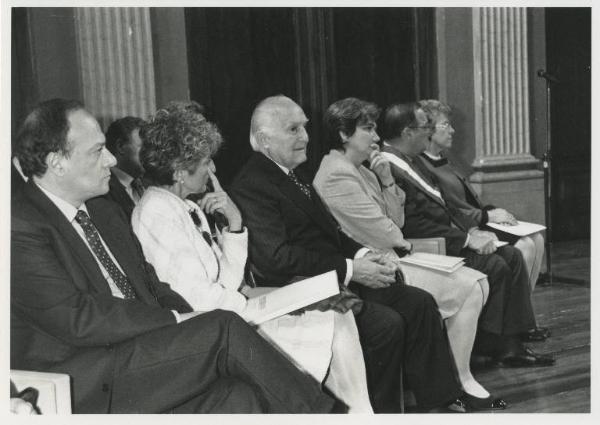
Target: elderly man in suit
{"x": 291, "y": 234}
{"x": 124, "y": 142}
{"x": 508, "y": 311}
{"x": 86, "y": 303}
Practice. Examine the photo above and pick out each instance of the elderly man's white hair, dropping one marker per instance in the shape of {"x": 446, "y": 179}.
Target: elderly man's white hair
{"x": 266, "y": 115}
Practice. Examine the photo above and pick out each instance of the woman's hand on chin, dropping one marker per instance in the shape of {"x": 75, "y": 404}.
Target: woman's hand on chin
{"x": 380, "y": 166}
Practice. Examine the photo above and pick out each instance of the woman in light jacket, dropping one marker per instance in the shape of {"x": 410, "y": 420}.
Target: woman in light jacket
{"x": 370, "y": 208}
{"x": 177, "y": 239}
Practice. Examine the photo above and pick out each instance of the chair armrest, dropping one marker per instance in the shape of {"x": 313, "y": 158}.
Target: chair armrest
{"x": 54, "y": 390}
{"x": 429, "y": 245}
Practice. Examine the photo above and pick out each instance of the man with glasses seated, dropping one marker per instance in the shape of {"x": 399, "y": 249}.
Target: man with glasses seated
{"x": 508, "y": 311}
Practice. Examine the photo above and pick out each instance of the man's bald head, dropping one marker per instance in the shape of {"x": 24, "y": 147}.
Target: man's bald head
{"x": 277, "y": 129}
{"x": 268, "y": 115}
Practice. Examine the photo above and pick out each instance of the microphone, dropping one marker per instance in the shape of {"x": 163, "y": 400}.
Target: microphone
{"x": 546, "y": 76}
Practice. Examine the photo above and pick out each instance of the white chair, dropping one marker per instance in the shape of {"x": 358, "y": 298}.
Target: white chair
{"x": 54, "y": 390}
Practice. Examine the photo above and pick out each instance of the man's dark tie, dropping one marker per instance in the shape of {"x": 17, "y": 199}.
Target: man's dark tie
{"x": 302, "y": 186}
{"x": 93, "y": 238}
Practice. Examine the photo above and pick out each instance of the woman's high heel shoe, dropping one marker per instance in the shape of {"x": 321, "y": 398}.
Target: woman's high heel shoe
{"x": 488, "y": 403}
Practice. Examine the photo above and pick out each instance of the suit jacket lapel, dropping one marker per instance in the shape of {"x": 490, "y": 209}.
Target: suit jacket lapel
{"x": 79, "y": 249}
{"x": 312, "y": 208}
{"x": 119, "y": 246}
{"x": 421, "y": 189}
{"x": 409, "y": 178}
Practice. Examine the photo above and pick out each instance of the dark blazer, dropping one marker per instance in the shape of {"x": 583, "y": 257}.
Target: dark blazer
{"x": 117, "y": 194}
{"x": 63, "y": 316}
{"x": 290, "y": 234}
{"x": 460, "y": 195}
{"x": 425, "y": 214}
{"x": 458, "y": 192}
{"x": 16, "y": 180}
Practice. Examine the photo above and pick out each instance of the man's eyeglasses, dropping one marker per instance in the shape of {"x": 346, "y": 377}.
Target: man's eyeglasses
{"x": 425, "y": 127}
{"x": 443, "y": 125}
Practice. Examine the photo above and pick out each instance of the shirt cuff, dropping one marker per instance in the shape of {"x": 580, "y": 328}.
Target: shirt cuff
{"x": 242, "y": 231}
{"x": 177, "y": 316}
{"x": 467, "y": 241}
{"x": 349, "y": 268}
{"x": 361, "y": 253}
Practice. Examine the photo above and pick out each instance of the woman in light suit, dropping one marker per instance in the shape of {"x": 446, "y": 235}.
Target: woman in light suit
{"x": 370, "y": 208}
{"x": 460, "y": 194}
{"x": 178, "y": 145}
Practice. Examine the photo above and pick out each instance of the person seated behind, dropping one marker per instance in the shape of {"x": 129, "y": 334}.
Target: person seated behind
{"x": 123, "y": 141}
{"x": 459, "y": 193}
{"x": 84, "y": 301}
{"x": 291, "y": 234}
{"x": 373, "y": 214}
{"x": 23, "y": 402}
{"x": 178, "y": 146}
{"x": 508, "y": 311}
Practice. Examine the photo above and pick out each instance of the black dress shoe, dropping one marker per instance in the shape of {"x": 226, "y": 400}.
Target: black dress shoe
{"x": 523, "y": 357}
{"x": 456, "y": 406}
{"x": 475, "y": 404}
{"x": 535, "y": 335}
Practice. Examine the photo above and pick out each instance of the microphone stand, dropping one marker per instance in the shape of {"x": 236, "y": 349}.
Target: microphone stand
{"x": 548, "y": 277}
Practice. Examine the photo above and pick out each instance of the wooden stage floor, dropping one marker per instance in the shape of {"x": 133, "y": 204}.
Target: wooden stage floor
{"x": 565, "y": 309}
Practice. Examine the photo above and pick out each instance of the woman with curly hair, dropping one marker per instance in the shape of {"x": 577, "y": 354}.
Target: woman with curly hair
{"x": 178, "y": 146}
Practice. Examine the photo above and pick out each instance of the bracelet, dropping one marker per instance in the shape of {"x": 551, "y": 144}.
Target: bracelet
{"x": 384, "y": 186}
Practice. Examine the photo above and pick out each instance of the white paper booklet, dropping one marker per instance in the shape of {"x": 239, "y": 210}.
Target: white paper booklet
{"x": 263, "y": 306}
{"x": 444, "y": 263}
{"x": 523, "y": 228}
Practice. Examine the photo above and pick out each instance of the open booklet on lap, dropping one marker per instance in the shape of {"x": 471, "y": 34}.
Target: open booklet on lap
{"x": 269, "y": 303}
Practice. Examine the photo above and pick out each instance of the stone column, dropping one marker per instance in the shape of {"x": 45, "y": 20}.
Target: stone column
{"x": 116, "y": 60}
{"x": 487, "y": 83}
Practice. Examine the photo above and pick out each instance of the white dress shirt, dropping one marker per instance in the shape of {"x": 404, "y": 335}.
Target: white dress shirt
{"x": 69, "y": 211}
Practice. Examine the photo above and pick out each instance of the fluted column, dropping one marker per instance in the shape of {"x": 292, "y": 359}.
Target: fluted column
{"x": 501, "y": 87}
{"x": 483, "y": 73}
{"x": 116, "y": 60}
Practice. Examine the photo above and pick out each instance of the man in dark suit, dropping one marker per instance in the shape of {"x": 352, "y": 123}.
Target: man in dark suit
{"x": 86, "y": 303}
{"x": 17, "y": 179}
{"x": 508, "y": 311}
{"x": 124, "y": 142}
{"x": 292, "y": 234}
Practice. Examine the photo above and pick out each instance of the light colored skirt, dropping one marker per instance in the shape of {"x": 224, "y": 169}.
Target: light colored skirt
{"x": 305, "y": 339}
{"x": 449, "y": 290}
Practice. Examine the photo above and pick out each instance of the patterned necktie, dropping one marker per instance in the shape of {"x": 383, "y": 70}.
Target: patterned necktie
{"x": 302, "y": 186}
{"x": 93, "y": 238}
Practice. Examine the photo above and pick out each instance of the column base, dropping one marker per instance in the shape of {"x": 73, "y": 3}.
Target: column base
{"x": 519, "y": 191}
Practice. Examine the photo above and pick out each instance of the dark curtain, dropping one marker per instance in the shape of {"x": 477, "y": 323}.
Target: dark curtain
{"x": 238, "y": 56}
{"x": 22, "y": 79}
{"x": 568, "y": 57}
